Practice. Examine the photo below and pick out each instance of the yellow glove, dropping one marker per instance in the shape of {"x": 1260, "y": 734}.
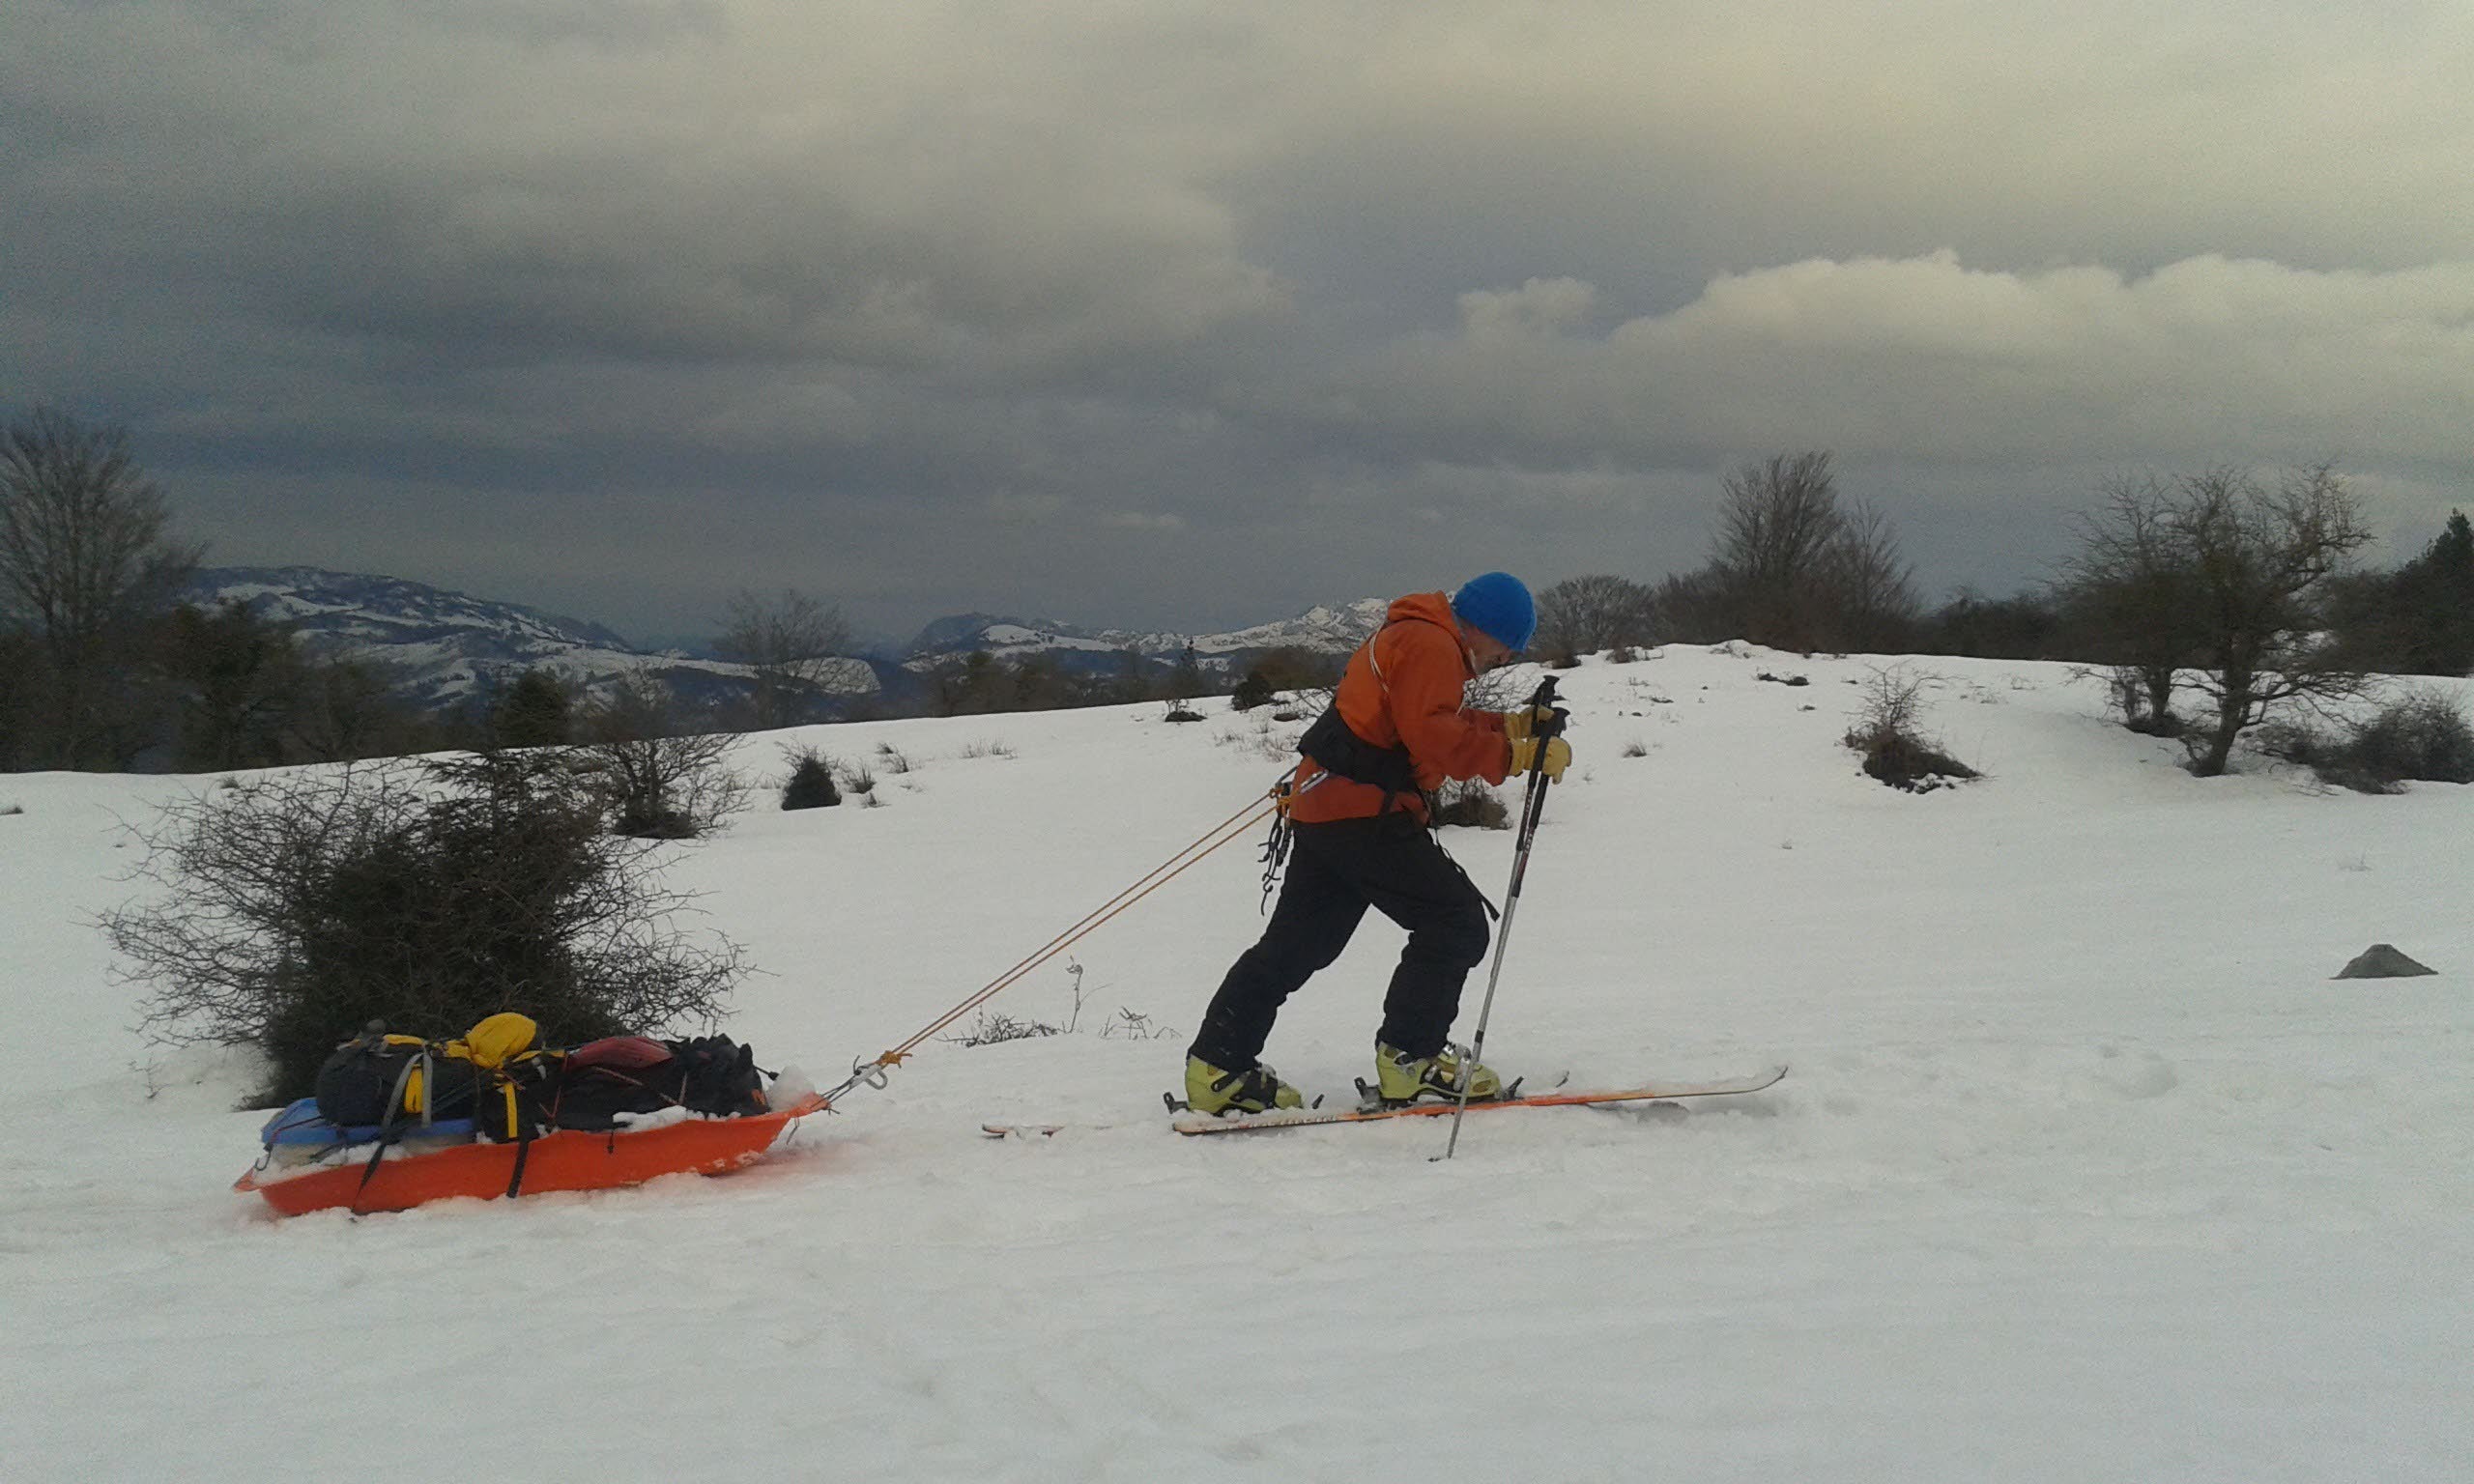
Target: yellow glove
{"x": 1559, "y": 757}
{"x": 1533, "y": 722}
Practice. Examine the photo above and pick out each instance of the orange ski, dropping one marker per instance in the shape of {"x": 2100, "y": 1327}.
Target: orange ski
{"x": 1304, "y": 1117}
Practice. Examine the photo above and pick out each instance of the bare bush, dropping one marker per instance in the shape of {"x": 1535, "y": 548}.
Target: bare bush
{"x": 660, "y": 776}
{"x": 995, "y": 1027}
{"x": 295, "y": 908}
{"x": 1133, "y": 1025}
{"x": 1884, "y": 731}
{"x": 1583, "y": 615}
{"x": 1505, "y": 688}
{"x": 2421, "y": 736}
{"x": 1471, "y": 805}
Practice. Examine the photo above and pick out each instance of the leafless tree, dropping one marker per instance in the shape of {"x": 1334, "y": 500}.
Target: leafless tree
{"x": 1694, "y": 607}
{"x": 2263, "y": 559}
{"x": 1583, "y": 615}
{"x": 664, "y": 775}
{"x": 1867, "y": 588}
{"x": 2128, "y": 592}
{"x": 2233, "y": 577}
{"x": 1775, "y": 529}
{"x": 85, "y": 564}
{"x": 1794, "y": 569}
{"x": 790, "y": 641}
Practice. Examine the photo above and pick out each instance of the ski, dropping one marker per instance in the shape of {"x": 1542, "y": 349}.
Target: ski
{"x": 1027, "y": 1130}
{"x": 1304, "y": 1118}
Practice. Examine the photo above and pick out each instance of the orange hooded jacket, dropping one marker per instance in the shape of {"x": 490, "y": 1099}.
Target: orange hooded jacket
{"x": 1403, "y": 688}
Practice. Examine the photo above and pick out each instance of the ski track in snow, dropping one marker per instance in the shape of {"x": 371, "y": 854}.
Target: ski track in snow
{"x": 2086, "y": 1170}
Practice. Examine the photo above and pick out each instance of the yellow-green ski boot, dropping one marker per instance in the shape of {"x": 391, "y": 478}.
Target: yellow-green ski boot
{"x": 1400, "y": 1077}
{"x": 1252, "y": 1089}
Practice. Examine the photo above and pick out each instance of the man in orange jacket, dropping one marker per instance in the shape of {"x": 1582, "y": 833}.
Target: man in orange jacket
{"x": 1398, "y": 728}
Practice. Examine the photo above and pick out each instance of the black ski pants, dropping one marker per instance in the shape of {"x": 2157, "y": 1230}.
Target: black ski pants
{"x": 1335, "y": 871}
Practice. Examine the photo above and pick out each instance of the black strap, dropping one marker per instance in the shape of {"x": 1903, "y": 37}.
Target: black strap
{"x": 391, "y": 1123}
{"x": 1483, "y": 900}
{"x": 1335, "y": 747}
{"x": 523, "y": 1150}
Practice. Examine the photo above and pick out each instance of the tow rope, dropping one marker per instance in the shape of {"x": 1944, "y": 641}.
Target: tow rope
{"x": 872, "y": 1074}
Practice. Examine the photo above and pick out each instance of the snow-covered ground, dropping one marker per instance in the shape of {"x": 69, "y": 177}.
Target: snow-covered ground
{"x": 2086, "y": 1170}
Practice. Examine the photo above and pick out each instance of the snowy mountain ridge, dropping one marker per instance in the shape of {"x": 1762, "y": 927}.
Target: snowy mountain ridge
{"x": 450, "y": 649}
{"x": 1331, "y": 629}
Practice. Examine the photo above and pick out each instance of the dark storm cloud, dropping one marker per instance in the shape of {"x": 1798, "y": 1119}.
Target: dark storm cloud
{"x": 1183, "y": 314}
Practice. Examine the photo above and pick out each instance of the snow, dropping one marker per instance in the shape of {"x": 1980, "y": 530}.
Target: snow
{"x": 2086, "y": 1169}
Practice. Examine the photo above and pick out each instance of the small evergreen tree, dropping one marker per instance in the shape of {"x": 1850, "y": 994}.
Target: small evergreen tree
{"x": 535, "y": 712}
{"x": 2436, "y": 593}
{"x": 238, "y": 678}
{"x": 811, "y": 781}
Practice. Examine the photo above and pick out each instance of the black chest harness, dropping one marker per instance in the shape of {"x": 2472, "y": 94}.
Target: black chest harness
{"x": 1334, "y": 746}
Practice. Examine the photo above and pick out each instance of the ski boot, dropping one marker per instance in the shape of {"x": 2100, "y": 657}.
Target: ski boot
{"x": 1252, "y": 1089}
{"x": 1400, "y": 1077}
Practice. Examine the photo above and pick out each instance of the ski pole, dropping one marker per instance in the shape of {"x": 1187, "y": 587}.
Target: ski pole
{"x": 1533, "y": 802}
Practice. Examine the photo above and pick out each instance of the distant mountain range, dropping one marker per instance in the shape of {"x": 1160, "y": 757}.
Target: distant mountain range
{"x": 449, "y": 649}
{"x": 1329, "y": 630}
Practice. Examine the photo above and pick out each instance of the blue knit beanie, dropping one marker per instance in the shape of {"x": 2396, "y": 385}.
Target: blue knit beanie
{"x": 1497, "y": 605}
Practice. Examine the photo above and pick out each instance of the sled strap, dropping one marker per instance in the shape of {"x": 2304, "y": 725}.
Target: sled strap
{"x": 388, "y": 1120}
{"x": 522, "y": 1151}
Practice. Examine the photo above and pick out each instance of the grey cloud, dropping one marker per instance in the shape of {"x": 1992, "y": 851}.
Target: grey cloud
{"x": 1925, "y": 357}
{"x": 1191, "y": 313}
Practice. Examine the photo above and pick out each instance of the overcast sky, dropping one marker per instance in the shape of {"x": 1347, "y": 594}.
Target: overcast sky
{"x": 1192, "y": 314}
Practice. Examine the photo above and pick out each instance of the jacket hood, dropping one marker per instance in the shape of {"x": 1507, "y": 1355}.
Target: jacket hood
{"x": 1432, "y": 606}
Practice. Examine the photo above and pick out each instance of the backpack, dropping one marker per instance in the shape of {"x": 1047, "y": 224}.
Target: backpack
{"x": 493, "y": 1075}
{"x": 378, "y": 1080}
{"x": 602, "y": 1080}
{"x": 710, "y": 1075}
{"x": 718, "y": 1076}
{"x": 515, "y": 1076}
